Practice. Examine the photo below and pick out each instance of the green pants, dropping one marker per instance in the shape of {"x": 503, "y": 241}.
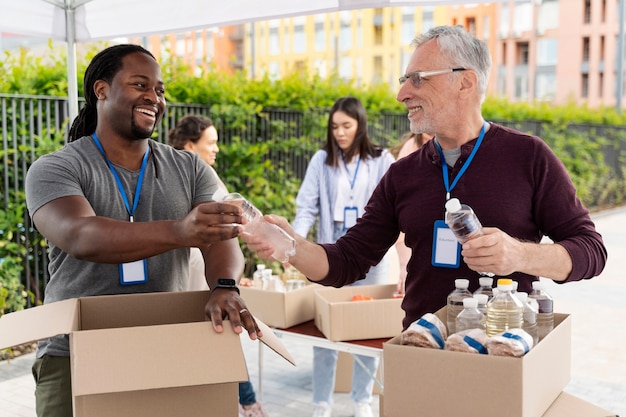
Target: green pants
{"x": 53, "y": 390}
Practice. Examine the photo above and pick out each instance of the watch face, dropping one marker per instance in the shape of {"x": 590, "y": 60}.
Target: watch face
{"x": 227, "y": 282}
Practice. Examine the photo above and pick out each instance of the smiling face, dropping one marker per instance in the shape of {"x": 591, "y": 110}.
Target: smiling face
{"x": 344, "y": 129}
{"x": 133, "y": 103}
{"x": 432, "y": 103}
{"x": 206, "y": 147}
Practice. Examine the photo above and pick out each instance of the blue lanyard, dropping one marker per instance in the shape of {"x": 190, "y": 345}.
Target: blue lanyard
{"x": 356, "y": 171}
{"x": 120, "y": 186}
{"x": 444, "y": 166}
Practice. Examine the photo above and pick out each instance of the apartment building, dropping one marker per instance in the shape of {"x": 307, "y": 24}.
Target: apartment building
{"x": 557, "y": 51}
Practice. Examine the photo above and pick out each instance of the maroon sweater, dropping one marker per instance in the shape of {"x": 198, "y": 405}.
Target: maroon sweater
{"x": 515, "y": 182}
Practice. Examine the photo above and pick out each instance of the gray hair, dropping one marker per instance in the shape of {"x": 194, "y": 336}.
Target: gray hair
{"x": 462, "y": 49}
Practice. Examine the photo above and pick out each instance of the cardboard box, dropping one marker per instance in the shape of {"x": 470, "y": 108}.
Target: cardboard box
{"x": 565, "y": 405}
{"x": 445, "y": 383}
{"x": 142, "y": 354}
{"x": 343, "y": 374}
{"x": 281, "y": 309}
{"x": 340, "y": 319}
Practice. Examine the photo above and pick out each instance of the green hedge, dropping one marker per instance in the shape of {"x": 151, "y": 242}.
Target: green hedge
{"x": 269, "y": 185}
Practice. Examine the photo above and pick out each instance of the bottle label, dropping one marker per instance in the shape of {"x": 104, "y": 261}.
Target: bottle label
{"x": 446, "y": 249}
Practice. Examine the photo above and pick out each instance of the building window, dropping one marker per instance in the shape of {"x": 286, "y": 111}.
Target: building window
{"x": 548, "y": 16}
{"x": 521, "y": 87}
{"x": 601, "y": 85}
{"x": 320, "y": 37}
{"x": 299, "y": 39}
{"x": 486, "y": 27}
{"x": 274, "y": 71}
{"x": 428, "y": 20}
{"x": 408, "y": 29}
{"x": 547, "y": 51}
{"x": 345, "y": 32}
{"x": 584, "y": 90}
{"x": 274, "y": 41}
{"x": 470, "y": 25}
{"x": 345, "y": 67}
{"x": 523, "y": 12}
{"x": 586, "y": 48}
{"x": 522, "y": 53}
{"x": 587, "y": 12}
{"x": 503, "y": 30}
{"x": 545, "y": 88}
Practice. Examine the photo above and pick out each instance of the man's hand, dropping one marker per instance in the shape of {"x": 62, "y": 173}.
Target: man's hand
{"x": 501, "y": 254}
{"x": 210, "y": 222}
{"x": 223, "y": 303}
{"x": 262, "y": 247}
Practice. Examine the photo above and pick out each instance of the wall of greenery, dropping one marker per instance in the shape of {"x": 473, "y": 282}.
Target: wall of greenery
{"x": 591, "y": 142}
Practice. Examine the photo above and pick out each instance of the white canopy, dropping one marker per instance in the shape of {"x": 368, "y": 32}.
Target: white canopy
{"x": 87, "y": 20}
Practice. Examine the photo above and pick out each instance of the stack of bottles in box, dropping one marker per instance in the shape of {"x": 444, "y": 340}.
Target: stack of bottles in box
{"x": 497, "y": 321}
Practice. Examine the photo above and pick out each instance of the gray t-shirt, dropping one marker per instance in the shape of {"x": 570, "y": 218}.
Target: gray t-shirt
{"x": 174, "y": 181}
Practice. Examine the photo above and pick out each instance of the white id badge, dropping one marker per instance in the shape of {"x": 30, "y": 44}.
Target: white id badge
{"x": 350, "y": 214}
{"x": 446, "y": 248}
{"x": 134, "y": 272}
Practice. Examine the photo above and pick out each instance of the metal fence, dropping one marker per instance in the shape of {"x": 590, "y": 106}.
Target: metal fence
{"x": 33, "y": 125}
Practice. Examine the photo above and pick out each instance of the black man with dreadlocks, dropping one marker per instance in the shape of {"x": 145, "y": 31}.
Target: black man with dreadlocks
{"x": 120, "y": 211}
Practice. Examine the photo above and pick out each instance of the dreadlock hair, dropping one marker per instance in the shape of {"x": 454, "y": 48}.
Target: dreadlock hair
{"x": 104, "y": 66}
{"x": 362, "y": 145}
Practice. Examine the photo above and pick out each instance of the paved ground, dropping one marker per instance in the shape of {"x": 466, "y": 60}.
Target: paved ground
{"x": 597, "y": 306}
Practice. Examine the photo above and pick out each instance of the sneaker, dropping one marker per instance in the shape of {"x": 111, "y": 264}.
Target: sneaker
{"x": 322, "y": 409}
{"x": 362, "y": 410}
{"x": 254, "y": 410}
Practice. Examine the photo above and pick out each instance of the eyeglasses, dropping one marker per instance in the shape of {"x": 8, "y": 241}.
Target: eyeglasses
{"x": 417, "y": 77}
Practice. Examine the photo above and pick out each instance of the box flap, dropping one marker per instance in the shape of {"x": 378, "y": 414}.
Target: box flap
{"x": 39, "y": 322}
{"x": 270, "y": 340}
{"x": 151, "y": 357}
{"x": 566, "y": 405}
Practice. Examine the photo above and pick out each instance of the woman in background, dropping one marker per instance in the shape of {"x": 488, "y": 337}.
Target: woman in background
{"x": 338, "y": 183}
{"x": 197, "y": 134}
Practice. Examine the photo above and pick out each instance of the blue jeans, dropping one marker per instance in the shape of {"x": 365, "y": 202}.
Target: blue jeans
{"x": 246, "y": 393}
{"x": 325, "y": 360}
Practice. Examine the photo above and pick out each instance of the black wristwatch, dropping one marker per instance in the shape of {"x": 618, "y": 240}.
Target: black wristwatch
{"x": 227, "y": 283}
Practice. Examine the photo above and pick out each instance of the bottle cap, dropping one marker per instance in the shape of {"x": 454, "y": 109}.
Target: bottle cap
{"x": 453, "y": 205}
{"x": 505, "y": 281}
{"x": 537, "y": 285}
{"x": 470, "y": 302}
{"x": 461, "y": 283}
{"x": 481, "y": 298}
{"x": 485, "y": 281}
{"x": 260, "y": 266}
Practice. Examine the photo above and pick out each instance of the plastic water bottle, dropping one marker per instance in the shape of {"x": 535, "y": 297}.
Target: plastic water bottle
{"x": 545, "y": 314}
{"x": 504, "y": 310}
{"x": 482, "y": 300}
{"x": 486, "y": 287}
{"x": 284, "y": 245}
{"x": 455, "y": 302}
{"x": 462, "y": 221}
{"x": 469, "y": 317}
{"x": 257, "y": 276}
{"x": 529, "y": 315}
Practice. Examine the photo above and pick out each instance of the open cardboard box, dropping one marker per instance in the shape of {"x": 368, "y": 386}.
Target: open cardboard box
{"x": 435, "y": 383}
{"x": 281, "y": 309}
{"x": 142, "y": 354}
{"x": 341, "y": 319}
